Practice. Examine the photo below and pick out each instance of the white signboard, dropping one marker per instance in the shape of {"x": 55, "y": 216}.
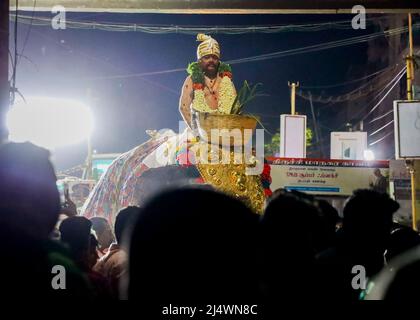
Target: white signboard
{"x": 348, "y": 145}
{"x": 325, "y": 176}
{"x": 292, "y": 136}
{"x": 407, "y": 129}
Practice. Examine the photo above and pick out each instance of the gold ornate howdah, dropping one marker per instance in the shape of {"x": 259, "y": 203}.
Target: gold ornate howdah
{"x": 232, "y": 179}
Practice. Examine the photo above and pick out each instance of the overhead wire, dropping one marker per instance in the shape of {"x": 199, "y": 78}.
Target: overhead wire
{"x": 392, "y": 83}
{"x": 185, "y": 29}
{"x": 382, "y": 116}
{"x": 15, "y": 58}
{"x": 27, "y": 33}
{"x": 323, "y": 46}
{"x": 103, "y": 61}
{"x": 400, "y": 75}
{"x": 275, "y": 55}
{"x": 381, "y": 139}
{"x": 354, "y": 94}
{"x": 348, "y": 82}
{"x": 381, "y": 128}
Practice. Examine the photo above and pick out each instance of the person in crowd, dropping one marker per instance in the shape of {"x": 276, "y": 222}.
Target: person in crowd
{"x": 76, "y": 234}
{"x": 194, "y": 245}
{"x": 103, "y": 233}
{"x": 113, "y": 265}
{"x": 290, "y": 236}
{"x": 29, "y": 209}
{"x": 364, "y": 237}
{"x": 331, "y": 219}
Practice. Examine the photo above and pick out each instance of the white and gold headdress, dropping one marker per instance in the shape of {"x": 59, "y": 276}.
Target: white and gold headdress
{"x": 207, "y": 46}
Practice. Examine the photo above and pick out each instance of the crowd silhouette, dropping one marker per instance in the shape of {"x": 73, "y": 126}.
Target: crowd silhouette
{"x": 194, "y": 244}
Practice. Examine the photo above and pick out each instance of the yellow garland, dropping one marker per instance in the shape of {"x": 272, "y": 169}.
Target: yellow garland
{"x": 227, "y": 96}
{"x": 199, "y": 102}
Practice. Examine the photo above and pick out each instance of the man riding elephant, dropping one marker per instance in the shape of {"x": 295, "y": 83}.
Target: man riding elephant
{"x": 165, "y": 159}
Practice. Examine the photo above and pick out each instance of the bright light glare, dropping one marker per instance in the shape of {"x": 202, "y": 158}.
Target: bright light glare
{"x": 50, "y": 122}
{"x": 369, "y": 155}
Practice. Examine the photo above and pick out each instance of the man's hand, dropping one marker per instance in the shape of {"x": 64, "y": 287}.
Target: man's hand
{"x": 69, "y": 208}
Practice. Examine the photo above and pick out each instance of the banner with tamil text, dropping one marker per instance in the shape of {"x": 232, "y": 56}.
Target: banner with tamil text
{"x": 326, "y": 177}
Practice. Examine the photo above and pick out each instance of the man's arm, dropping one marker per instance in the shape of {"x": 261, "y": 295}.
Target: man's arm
{"x": 186, "y": 100}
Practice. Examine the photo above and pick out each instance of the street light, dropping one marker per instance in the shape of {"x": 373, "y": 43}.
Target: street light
{"x": 50, "y": 122}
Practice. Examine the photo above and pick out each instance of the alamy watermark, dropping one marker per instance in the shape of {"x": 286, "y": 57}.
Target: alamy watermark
{"x": 359, "y": 281}
{"x": 58, "y": 282}
{"x": 359, "y": 20}
{"x": 59, "y": 20}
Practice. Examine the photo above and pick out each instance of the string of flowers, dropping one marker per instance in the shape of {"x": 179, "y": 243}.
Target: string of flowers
{"x": 266, "y": 179}
{"x": 227, "y": 94}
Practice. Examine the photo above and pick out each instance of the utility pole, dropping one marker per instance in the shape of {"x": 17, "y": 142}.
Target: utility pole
{"x": 4, "y": 67}
{"x": 410, "y": 78}
{"x": 410, "y": 60}
{"x": 293, "y": 86}
{"x": 89, "y": 158}
{"x": 316, "y": 128}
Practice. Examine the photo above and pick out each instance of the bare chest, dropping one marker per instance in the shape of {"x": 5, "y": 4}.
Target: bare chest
{"x": 211, "y": 92}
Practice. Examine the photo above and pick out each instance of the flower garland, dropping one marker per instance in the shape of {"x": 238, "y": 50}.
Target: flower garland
{"x": 266, "y": 179}
{"x": 227, "y": 92}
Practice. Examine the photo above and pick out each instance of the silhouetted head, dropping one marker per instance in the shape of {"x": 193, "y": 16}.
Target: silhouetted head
{"x": 291, "y": 235}
{"x": 193, "y": 244}
{"x": 329, "y": 213}
{"x": 368, "y": 219}
{"x": 124, "y": 221}
{"x": 92, "y": 251}
{"x": 103, "y": 231}
{"x": 292, "y": 224}
{"x": 76, "y": 233}
{"x": 29, "y": 198}
{"x": 330, "y": 220}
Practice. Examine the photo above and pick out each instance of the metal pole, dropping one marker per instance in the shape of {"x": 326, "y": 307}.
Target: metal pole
{"x": 4, "y": 67}
{"x": 409, "y": 60}
{"x": 413, "y": 198}
{"x": 410, "y": 166}
{"x": 293, "y": 86}
{"x": 315, "y": 125}
{"x": 410, "y": 78}
{"x": 89, "y": 157}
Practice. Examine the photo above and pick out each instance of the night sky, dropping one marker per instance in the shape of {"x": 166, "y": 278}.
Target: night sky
{"x": 69, "y": 63}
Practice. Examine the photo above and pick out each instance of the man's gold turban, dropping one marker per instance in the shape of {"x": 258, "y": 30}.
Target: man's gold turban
{"x": 207, "y": 46}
